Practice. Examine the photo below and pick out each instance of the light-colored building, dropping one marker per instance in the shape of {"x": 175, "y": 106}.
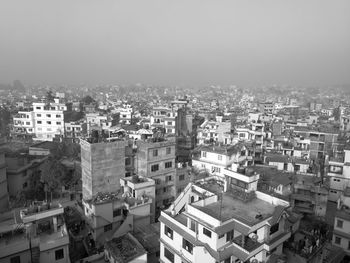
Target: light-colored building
{"x": 23, "y": 124}
{"x": 49, "y": 120}
{"x": 341, "y": 235}
{"x": 155, "y": 158}
{"x": 39, "y": 235}
{"x": 74, "y": 130}
{"x": 339, "y": 175}
{"x": 224, "y": 220}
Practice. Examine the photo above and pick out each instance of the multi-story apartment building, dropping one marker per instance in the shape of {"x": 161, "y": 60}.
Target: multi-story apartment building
{"x": 74, "y": 129}
{"x": 345, "y": 123}
{"x": 321, "y": 141}
{"x": 341, "y": 234}
{"x": 309, "y": 196}
{"x": 23, "y": 124}
{"x": 155, "y": 158}
{"x": 224, "y": 220}
{"x": 49, "y": 120}
{"x": 4, "y": 195}
{"x": 111, "y": 215}
{"x": 214, "y": 159}
{"x": 267, "y": 107}
{"x": 213, "y": 131}
{"x": 103, "y": 164}
{"x": 339, "y": 174}
{"x": 39, "y": 234}
{"x": 98, "y": 121}
{"x": 158, "y": 115}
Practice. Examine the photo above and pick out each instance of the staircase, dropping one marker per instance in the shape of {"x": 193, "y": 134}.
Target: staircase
{"x": 181, "y": 200}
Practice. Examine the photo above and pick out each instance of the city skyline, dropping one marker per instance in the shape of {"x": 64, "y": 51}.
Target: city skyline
{"x": 190, "y": 43}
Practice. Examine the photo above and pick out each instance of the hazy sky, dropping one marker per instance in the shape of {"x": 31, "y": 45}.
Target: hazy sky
{"x": 175, "y": 42}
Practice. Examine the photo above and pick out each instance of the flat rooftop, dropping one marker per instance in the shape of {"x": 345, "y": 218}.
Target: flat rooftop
{"x": 125, "y": 248}
{"x": 245, "y": 212}
{"x": 211, "y": 185}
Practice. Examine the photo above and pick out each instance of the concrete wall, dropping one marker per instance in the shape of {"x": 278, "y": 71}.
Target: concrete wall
{"x": 103, "y": 164}
{"x": 49, "y": 255}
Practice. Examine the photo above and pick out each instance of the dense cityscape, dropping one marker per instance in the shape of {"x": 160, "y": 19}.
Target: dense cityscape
{"x": 143, "y": 173}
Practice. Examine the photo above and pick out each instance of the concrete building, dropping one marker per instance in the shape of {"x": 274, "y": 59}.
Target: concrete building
{"x": 103, "y": 164}
{"x": 309, "y": 196}
{"x": 338, "y": 175}
{"x": 111, "y": 215}
{"x": 38, "y": 234}
{"x": 341, "y": 235}
{"x": 224, "y": 220}
{"x": 125, "y": 249}
{"x": 155, "y": 158}
{"x": 23, "y": 124}
{"x": 215, "y": 159}
{"x": 267, "y": 107}
{"x": 74, "y": 130}
{"x": 48, "y": 119}
{"x": 4, "y": 195}
{"x": 213, "y": 131}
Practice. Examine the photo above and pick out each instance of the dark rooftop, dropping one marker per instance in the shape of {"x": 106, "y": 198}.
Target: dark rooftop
{"x": 125, "y": 248}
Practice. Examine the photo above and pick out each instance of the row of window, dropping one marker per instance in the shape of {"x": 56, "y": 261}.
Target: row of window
{"x": 155, "y": 151}
{"x": 49, "y": 115}
{"x": 155, "y": 167}
{"x": 49, "y": 122}
{"x": 337, "y": 241}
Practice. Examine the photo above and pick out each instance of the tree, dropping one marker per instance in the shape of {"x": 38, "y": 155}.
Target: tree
{"x": 49, "y": 96}
{"x": 87, "y": 100}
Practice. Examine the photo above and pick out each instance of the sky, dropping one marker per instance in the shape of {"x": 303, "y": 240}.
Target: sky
{"x": 182, "y": 42}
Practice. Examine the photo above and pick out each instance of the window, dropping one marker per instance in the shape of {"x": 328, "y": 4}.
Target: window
{"x": 274, "y": 228}
{"x": 187, "y": 245}
{"x": 221, "y": 236}
{"x": 181, "y": 177}
{"x": 48, "y": 115}
{"x": 16, "y": 259}
{"x": 220, "y": 157}
{"x": 59, "y": 254}
{"x": 164, "y": 190}
{"x": 168, "y": 150}
{"x": 58, "y": 116}
{"x": 168, "y": 164}
{"x": 155, "y": 153}
{"x": 229, "y": 235}
{"x": 168, "y": 232}
{"x": 58, "y": 123}
{"x": 38, "y": 122}
{"x": 117, "y": 212}
{"x": 25, "y": 185}
{"x": 38, "y": 108}
{"x": 204, "y": 154}
{"x": 27, "y": 123}
{"x": 168, "y": 178}
{"x": 170, "y": 123}
{"x": 340, "y": 223}
{"x": 127, "y": 161}
{"x": 108, "y": 227}
{"x": 206, "y": 232}
{"x": 48, "y": 122}
{"x": 154, "y": 167}
{"x": 168, "y": 255}
{"x": 337, "y": 240}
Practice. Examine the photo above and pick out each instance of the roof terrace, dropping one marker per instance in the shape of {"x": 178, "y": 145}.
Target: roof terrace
{"x": 250, "y": 213}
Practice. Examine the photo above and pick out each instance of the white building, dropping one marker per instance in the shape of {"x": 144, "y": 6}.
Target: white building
{"x": 216, "y": 220}
{"x": 341, "y": 235}
{"x": 339, "y": 175}
{"x": 49, "y": 119}
{"x": 44, "y": 122}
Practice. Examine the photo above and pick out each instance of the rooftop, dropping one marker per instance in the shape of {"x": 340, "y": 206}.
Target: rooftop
{"x": 148, "y": 236}
{"x": 125, "y": 248}
{"x": 251, "y": 212}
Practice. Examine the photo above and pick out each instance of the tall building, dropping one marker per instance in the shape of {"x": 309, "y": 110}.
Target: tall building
{"x": 4, "y": 196}
{"x": 43, "y": 122}
{"x": 155, "y": 158}
{"x": 103, "y": 165}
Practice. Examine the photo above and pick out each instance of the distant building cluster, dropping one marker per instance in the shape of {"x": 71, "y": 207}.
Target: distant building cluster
{"x": 154, "y": 174}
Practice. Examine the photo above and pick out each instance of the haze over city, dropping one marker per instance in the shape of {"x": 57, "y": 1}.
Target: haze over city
{"x": 198, "y": 42}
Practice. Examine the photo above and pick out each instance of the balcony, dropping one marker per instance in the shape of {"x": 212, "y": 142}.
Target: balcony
{"x": 247, "y": 243}
{"x": 40, "y": 211}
